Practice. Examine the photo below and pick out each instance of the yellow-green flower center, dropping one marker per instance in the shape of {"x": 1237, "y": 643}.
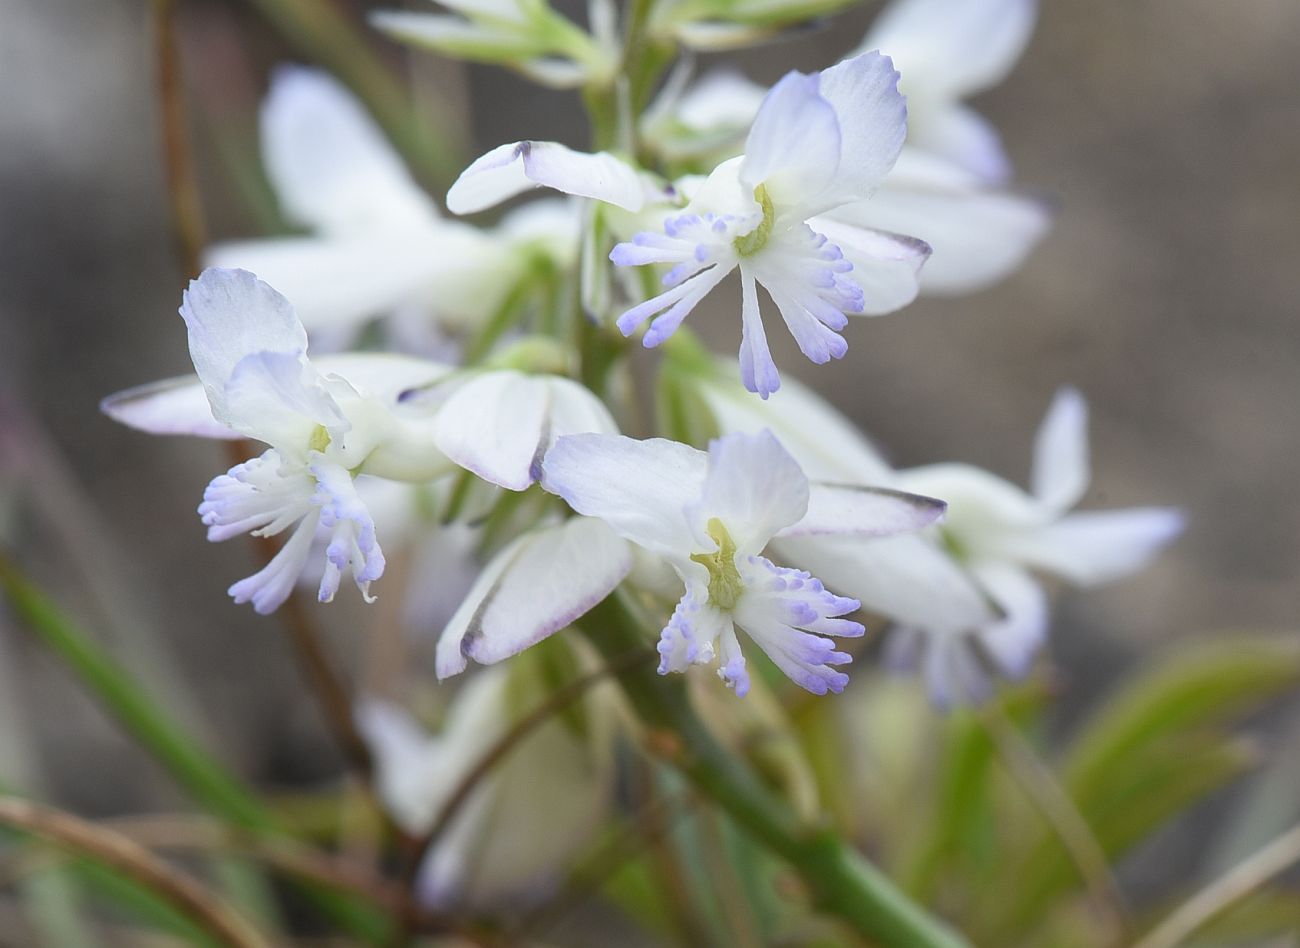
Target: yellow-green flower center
{"x": 725, "y": 584}
{"x": 757, "y": 238}
{"x": 320, "y": 439}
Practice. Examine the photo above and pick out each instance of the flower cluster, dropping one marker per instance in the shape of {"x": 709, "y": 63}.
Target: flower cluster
{"x": 758, "y": 533}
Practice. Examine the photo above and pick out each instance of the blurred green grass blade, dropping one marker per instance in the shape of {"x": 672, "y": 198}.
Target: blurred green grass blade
{"x": 52, "y": 902}
{"x": 1268, "y": 913}
{"x": 961, "y": 833}
{"x": 201, "y": 775}
{"x": 1144, "y": 800}
{"x": 1212, "y": 684}
{"x": 1155, "y": 749}
{"x": 141, "y": 905}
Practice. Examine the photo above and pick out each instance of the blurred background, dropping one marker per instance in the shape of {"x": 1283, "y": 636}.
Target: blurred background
{"x": 1167, "y": 132}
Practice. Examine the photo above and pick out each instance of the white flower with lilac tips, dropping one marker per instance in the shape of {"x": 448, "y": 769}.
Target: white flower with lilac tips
{"x": 817, "y": 143}
{"x": 710, "y": 516}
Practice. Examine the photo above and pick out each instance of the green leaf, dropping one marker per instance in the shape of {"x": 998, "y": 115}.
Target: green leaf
{"x": 1210, "y": 685}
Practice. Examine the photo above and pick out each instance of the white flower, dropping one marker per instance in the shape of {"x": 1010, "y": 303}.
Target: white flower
{"x": 962, "y": 593}
{"x": 325, "y": 428}
{"x": 1000, "y": 533}
{"x": 818, "y": 142}
{"x": 710, "y": 517}
{"x": 250, "y": 353}
{"x": 377, "y": 245}
{"x": 979, "y": 232}
{"x": 524, "y": 822}
{"x": 946, "y": 51}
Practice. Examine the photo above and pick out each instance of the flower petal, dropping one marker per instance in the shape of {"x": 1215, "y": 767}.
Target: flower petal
{"x": 864, "y": 511}
{"x": 176, "y": 406}
{"x": 332, "y": 168}
{"x": 962, "y": 136}
{"x": 640, "y": 488}
{"x": 277, "y": 397}
{"x": 793, "y": 147}
{"x": 1098, "y": 546}
{"x": 514, "y": 168}
{"x": 872, "y": 118}
{"x": 337, "y": 283}
{"x": 556, "y": 576}
{"x": 495, "y": 426}
{"x": 1014, "y": 640}
{"x": 978, "y": 235}
{"x": 953, "y": 48}
{"x": 907, "y": 578}
{"x": 824, "y": 442}
{"x": 885, "y": 266}
{"x": 231, "y": 314}
{"x": 754, "y": 487}
{"x": 1060, "y": 474}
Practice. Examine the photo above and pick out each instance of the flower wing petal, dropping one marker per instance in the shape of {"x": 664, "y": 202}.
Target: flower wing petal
{"x": 640, "y": 488}
{"x": 1098, "y": 546}
{"x": 231, "y": 314}
{"x": 331, "y": 166}
{"x": 495, "y": 426}
{"x": 864, "y": 511}
{"x": 872, "y": 119}
{"x": 754, "y": 487}
{"x": 793, "y": 147}
{"x": 1060, "y": 473}
{"x": 559, "y": 575}
{"x": 176, "y": 406}
{"x": 953, "y": 48}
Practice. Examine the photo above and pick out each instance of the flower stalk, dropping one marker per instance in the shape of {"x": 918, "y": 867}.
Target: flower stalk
{"x": 840, "y": 881}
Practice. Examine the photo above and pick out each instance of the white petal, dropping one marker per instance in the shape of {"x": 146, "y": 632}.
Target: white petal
{"x": 512, "y": 169}
{"x": 872, "y": 117}
{"x": 1060, "y": 474}
{"x": 176, "y": 406}
{"x": 574, "y": 409}
{"x": 640, "y": 488}
{"x": 277, "y": 397}
{"x": 885, "y": 266}
{"x": 754, "y": 487}
{"x": 1015, "y": 639}
{"x": 381, "y": 375}
{"x": 864, "y": 511}
{"x": 335, "y": 283}
{"x": 331, "y": 166}
{"x": 551, "y": 580}
{"x": 907, "y": 578}
{"x": 793, "y": 148}
{"x": 980, "y": 504}
{"x": 231, "y": 314}
{"x": 1098, "y": 546}
{"x": 757, "y": 368}
{"x": 978, "y": 235}
{"x": 962, "y": 136}
{"x": 824, "y": 442}
{"x": 495, "y": 426}
{"x": 953, "y": 48}
{"x": 406, "y": 763}
{"x": 721, "y": 98}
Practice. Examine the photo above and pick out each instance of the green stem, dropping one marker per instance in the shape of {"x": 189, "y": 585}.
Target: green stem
{"x": 430, "y": 141}
{"x": 840, "y": 880}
